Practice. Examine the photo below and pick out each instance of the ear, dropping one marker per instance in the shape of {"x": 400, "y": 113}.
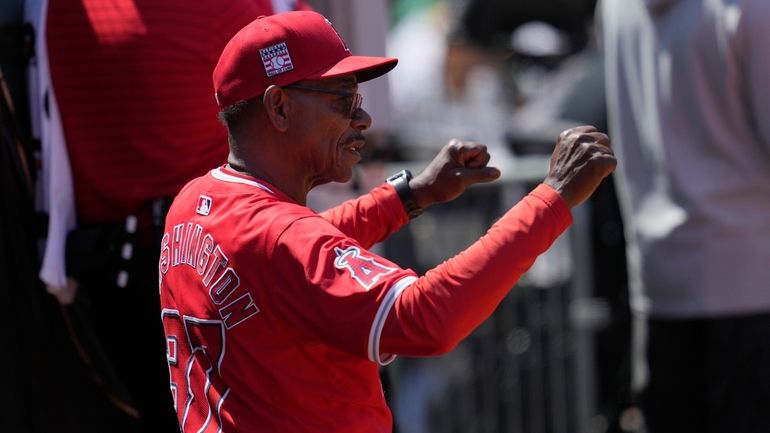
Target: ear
{"x": 276, "y": 104}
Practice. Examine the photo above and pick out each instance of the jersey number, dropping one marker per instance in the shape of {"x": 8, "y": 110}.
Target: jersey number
{"x": 195, "y": 349}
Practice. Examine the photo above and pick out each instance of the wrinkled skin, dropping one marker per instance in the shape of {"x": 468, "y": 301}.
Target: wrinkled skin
{"x": 580, "y": 160}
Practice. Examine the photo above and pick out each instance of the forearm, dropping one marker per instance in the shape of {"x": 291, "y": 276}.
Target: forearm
{"x": 438, "y": 310}
{"x": 370, "y": 218}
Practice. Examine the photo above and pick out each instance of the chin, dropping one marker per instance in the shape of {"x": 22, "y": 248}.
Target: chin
{"x": 338, "y": 177}
{"x": 344, "y": 179}
{"x": 343, "y": 175}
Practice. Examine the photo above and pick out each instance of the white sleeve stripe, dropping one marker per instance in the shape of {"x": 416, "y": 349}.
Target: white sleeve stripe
{"x": 381, "y": 316}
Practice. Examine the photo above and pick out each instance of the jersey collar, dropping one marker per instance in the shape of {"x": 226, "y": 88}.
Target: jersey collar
{"x": 226, "y": 175}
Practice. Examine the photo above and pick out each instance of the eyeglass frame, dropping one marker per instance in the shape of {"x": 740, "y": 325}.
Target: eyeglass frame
{"x": 355, "y": 103}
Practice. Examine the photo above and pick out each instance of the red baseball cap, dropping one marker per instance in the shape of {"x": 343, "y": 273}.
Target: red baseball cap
{"x": 285, "y": 48}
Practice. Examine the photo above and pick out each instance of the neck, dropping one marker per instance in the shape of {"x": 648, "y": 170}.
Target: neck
{"x": 284, "y": 184}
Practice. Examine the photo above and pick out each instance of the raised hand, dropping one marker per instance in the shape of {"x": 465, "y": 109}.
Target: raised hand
{"x": 581, "y": 159}
{"x": 458, "y": 165}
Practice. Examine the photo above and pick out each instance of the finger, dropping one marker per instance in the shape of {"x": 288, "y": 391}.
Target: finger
{"x": 576, "y": 130}
{"x": 593, "y": 137}
{"x": 479, "y": 175}
{"x": 604, "y": 160}
{"x": 470, "y": 154}
{"x": 478, "y": 161}
{"x": 596, "y": 147}
{"x": 492, "y": 173}
{"x": 604, "y": 140}
{"x": 610, "y": 161}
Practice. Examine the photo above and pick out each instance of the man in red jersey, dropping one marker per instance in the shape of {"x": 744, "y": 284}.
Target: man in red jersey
{"x": 129, "y": 79}
{"x": 277, "y": 318}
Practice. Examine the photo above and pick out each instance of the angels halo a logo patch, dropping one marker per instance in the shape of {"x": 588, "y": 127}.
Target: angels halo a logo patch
{"x": 364, "y": 269}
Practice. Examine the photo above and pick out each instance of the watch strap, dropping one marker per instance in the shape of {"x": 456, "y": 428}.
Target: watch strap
{"x": 400, "y": 181}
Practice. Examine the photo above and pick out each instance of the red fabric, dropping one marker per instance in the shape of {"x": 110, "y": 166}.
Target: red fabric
{"x": 370, "y": 219}
{"x": 133, "y": 82}
{"x": 286, "y": 48}
{"x": 265, "y": 293}
{"x": 282, "y": 313}
{"x": 441, "y": 308}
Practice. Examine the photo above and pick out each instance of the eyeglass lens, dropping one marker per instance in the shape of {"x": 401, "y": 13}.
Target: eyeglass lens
{"x": 356, "y": 103}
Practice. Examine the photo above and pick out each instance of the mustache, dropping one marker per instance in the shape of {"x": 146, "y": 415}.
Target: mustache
{"x": 352, "y": 139}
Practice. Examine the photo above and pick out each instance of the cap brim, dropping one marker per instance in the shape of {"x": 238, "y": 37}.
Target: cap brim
{"x": 365, "y": 68}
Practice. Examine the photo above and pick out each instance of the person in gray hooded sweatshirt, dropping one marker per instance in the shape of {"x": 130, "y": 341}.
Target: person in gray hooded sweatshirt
{"x": 688, "y": 92}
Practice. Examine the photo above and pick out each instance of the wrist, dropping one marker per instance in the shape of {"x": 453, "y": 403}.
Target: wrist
{"x": 400, "y": 182}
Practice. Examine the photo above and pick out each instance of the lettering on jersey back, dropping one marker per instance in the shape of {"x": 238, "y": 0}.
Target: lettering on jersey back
{"x": 364, "y": 269}
{"x": 187, "y": 245}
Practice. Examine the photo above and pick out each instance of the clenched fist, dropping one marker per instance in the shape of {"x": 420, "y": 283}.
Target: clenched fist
{"x": 581, "y": 159}
{"x": 458, "y": 165}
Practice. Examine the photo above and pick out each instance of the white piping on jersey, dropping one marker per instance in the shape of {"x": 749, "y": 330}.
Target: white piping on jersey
{"x": 381, "y": 316}
{"x": 217, "y": 173}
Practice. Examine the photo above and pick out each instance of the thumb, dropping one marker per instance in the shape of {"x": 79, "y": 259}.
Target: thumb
{"x": 481, "y": 174}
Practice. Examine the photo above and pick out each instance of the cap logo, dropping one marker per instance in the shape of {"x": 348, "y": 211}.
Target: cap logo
{"x": 276, "y": 59}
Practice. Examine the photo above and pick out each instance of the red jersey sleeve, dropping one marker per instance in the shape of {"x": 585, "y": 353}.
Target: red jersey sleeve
{"x": 329, "y": 288}
{"x": 370, "y": 218}
{"x": 437, "y": 311}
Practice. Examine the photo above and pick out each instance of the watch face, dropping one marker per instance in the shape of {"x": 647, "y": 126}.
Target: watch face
{"x": 403, "y": 174}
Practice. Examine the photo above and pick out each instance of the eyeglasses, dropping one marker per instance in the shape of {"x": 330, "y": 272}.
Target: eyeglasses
{"x": 356, "y": 98}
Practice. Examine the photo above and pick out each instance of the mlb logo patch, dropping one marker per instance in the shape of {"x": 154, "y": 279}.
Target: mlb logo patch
{"x": 204, "y": 205}
{"x": 276, "y": 59}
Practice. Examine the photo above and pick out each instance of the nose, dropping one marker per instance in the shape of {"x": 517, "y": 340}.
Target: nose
{"x": 361, "y": 120}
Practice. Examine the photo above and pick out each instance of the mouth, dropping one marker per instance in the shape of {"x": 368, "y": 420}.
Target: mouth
{"x": 354, "y": 146}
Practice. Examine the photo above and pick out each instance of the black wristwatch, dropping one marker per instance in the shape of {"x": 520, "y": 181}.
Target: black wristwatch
{"x": 400, "y": 182}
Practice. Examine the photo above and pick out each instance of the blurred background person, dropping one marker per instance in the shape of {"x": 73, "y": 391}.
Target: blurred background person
{"x": 31, "y": 343}
{"x": 688, "y": 104}
{"x": 510, "y": 74}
